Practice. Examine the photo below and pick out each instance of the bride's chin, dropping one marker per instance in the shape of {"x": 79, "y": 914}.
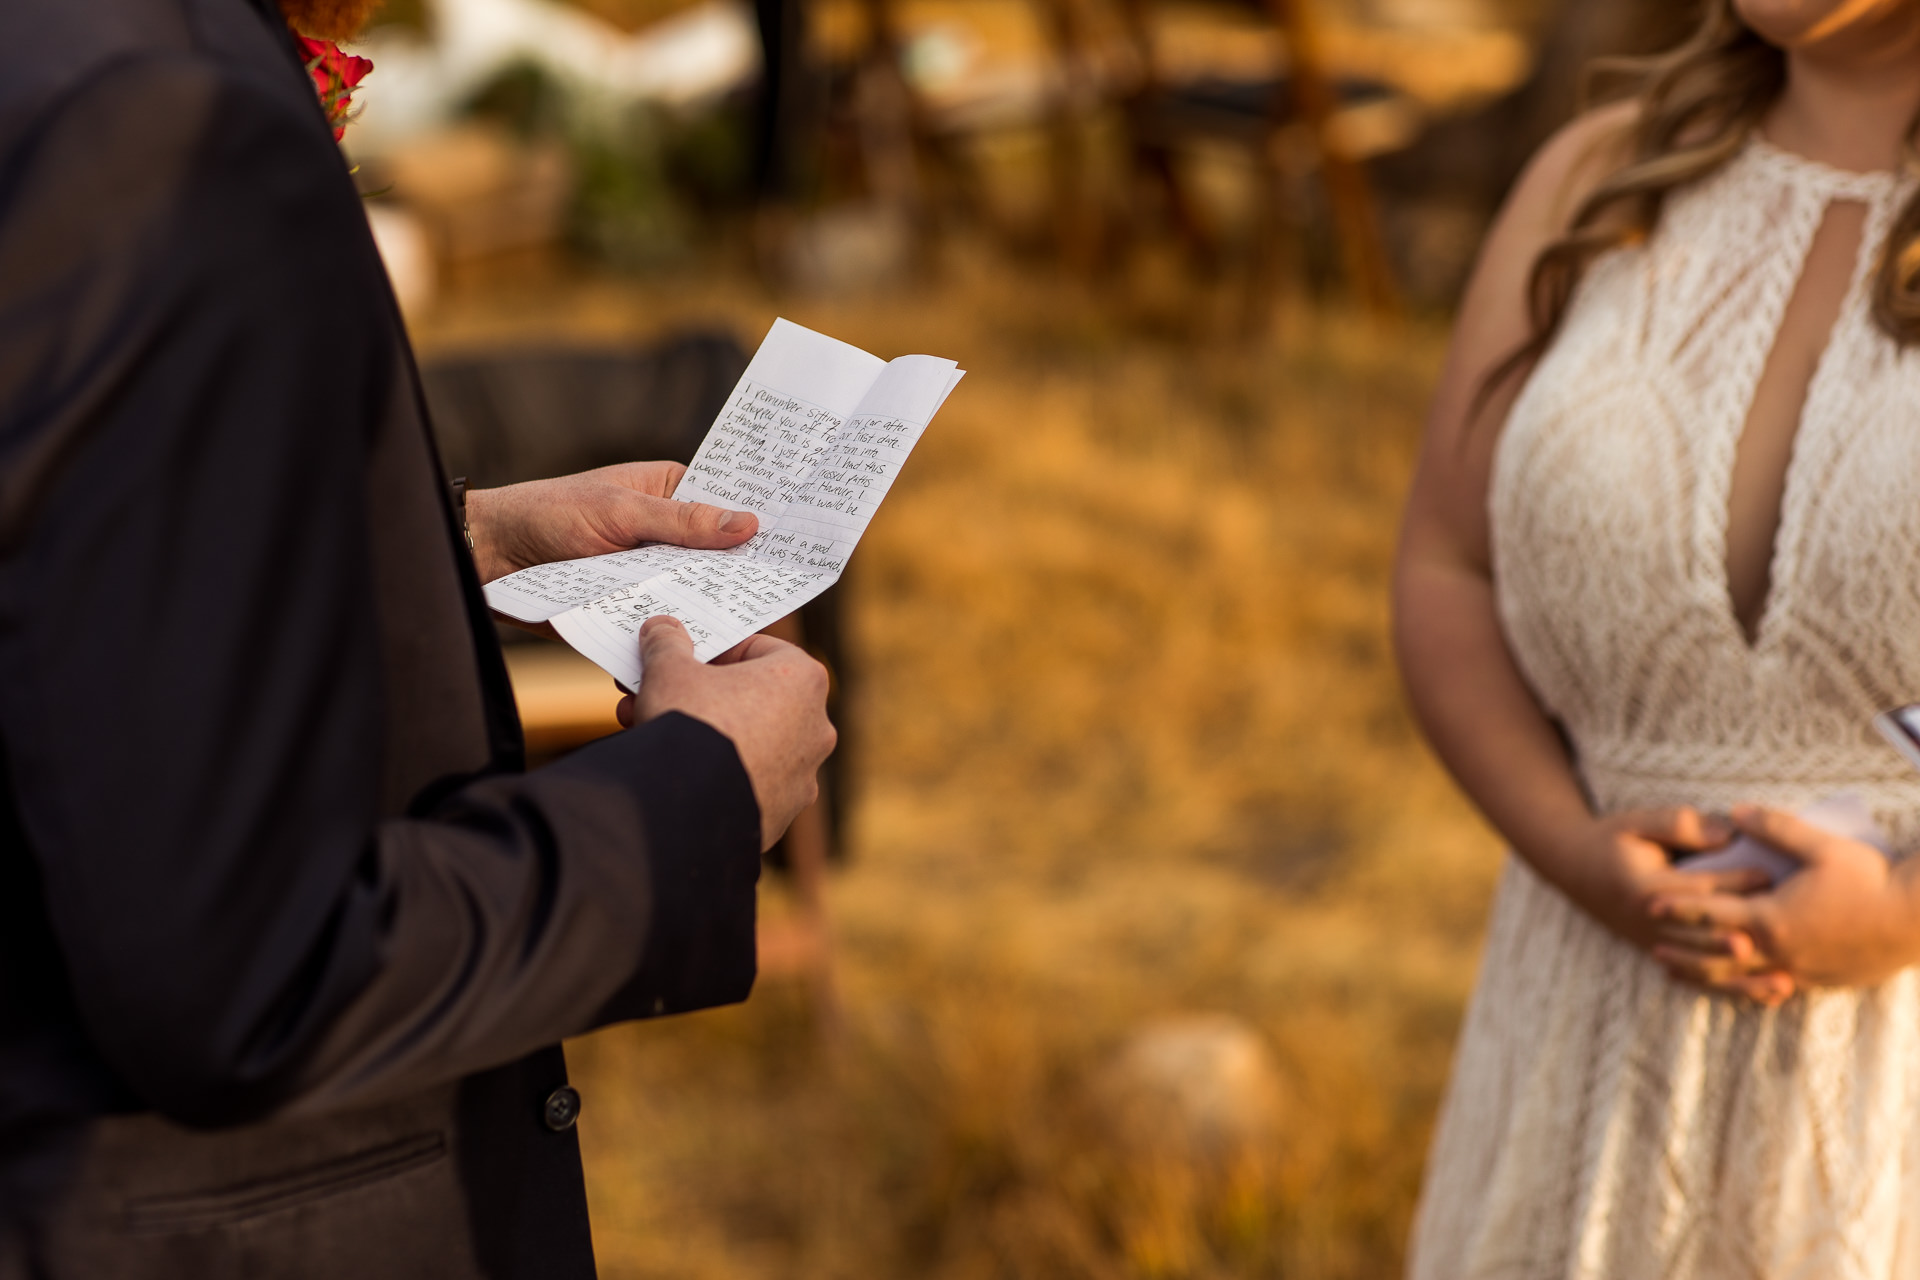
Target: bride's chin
{"x": 1830, "y": 25}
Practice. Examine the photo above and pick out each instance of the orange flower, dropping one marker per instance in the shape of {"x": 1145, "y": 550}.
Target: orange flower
{"x": 335, "y": 76}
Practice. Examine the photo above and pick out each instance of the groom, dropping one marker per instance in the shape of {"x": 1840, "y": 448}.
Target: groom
{"x": 288, "y": 938}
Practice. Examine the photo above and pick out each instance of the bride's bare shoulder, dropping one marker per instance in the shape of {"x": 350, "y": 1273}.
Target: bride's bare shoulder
{"x": 1566, "y": 170}
{"x": 1562, "y": 174}
{"x": 1493, "y": 320}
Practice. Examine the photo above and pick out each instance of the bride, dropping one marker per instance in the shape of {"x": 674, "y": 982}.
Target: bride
{"x": 1661, "y": 563}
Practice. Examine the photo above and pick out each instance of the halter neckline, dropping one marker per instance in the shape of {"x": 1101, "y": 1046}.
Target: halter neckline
{"x": 1835, "y": 183}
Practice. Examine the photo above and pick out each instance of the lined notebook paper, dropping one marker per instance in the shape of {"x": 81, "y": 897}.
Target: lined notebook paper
{"x": 810, "y": 441}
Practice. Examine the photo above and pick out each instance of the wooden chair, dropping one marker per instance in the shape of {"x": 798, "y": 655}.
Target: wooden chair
{"x": 1102, "y": 59}
{"x": 1298, "y": 109}
{"x": 911, "y": 152}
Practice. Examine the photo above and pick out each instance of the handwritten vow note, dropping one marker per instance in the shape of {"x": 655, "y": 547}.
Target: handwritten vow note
{"x": 810, "y": 442}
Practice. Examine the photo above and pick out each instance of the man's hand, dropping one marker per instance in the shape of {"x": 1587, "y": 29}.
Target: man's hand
{"x": 1849, "y": 918}
{"x": 768, "y": 696}
{"x": 1621, "y": 864}
{"x": 592, "y": 513}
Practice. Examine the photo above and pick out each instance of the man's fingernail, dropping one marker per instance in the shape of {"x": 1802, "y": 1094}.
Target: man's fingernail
{"x": 734, "y": 521}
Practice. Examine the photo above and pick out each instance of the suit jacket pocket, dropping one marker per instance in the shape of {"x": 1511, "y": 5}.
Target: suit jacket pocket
{"x": 201, "y": 1210}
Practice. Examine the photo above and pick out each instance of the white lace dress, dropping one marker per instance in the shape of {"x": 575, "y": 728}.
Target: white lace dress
{"x": 1603, "y": 1121}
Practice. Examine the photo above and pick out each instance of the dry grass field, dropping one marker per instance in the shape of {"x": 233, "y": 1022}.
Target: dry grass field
{"x": 1130, "y": 746}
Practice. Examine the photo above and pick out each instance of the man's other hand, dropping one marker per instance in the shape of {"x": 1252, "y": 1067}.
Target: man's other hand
{"x": 768, "y": 696}
{"x": 592, "y": 513}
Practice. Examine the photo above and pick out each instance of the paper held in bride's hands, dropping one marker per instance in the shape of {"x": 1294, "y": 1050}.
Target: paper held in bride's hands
{"x": 810, "y": 441}
{"x": 1845, "y": 814}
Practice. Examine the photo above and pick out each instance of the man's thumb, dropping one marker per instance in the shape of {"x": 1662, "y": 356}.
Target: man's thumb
{"x": 664, "y": 644}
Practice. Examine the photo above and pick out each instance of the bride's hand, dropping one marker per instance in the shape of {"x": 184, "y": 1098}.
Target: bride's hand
{"x": 1848, "y": 918}
{"x": 1620, "y": 864}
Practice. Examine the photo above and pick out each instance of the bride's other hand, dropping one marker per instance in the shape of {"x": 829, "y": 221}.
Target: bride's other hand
{"x": 1848, "y": 918}
{"x": 1619, "y": 865}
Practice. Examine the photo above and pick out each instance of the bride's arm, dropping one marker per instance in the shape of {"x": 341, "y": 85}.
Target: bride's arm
{"x": 1468, "y": 694}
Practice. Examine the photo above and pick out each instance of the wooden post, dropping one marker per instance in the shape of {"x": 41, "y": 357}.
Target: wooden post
{"x": 807, "y": 949}
{"x": 1356, "y": 219}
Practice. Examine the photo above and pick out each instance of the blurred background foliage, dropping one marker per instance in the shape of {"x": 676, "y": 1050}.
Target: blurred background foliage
{"x": 1149, "y": 919}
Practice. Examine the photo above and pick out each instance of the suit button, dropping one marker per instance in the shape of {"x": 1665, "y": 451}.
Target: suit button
{"x": 562, "y": 1109}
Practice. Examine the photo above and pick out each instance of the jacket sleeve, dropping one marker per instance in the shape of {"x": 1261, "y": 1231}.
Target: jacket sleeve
{"x": 191, "y": 701}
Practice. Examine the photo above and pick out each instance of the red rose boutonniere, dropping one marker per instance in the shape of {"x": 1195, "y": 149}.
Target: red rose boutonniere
{"x": 335, "y": 76}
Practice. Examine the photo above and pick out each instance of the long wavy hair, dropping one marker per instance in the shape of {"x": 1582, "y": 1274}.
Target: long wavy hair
{"x": 1698, "y": 104}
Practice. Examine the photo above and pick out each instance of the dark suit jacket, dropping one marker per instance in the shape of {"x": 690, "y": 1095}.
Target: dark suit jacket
{"x": 287, "y": 938}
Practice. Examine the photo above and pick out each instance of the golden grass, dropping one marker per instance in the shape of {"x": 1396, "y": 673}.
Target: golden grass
{"x": 1129, "y": 744}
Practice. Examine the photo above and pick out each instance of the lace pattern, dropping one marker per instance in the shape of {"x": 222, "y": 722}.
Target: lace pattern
{"x": 1602, "y": 1121}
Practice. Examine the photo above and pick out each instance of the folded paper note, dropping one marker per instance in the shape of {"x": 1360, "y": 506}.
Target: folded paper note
{"x": 1844, "y": 814}
{"x": 810, "y": 441}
